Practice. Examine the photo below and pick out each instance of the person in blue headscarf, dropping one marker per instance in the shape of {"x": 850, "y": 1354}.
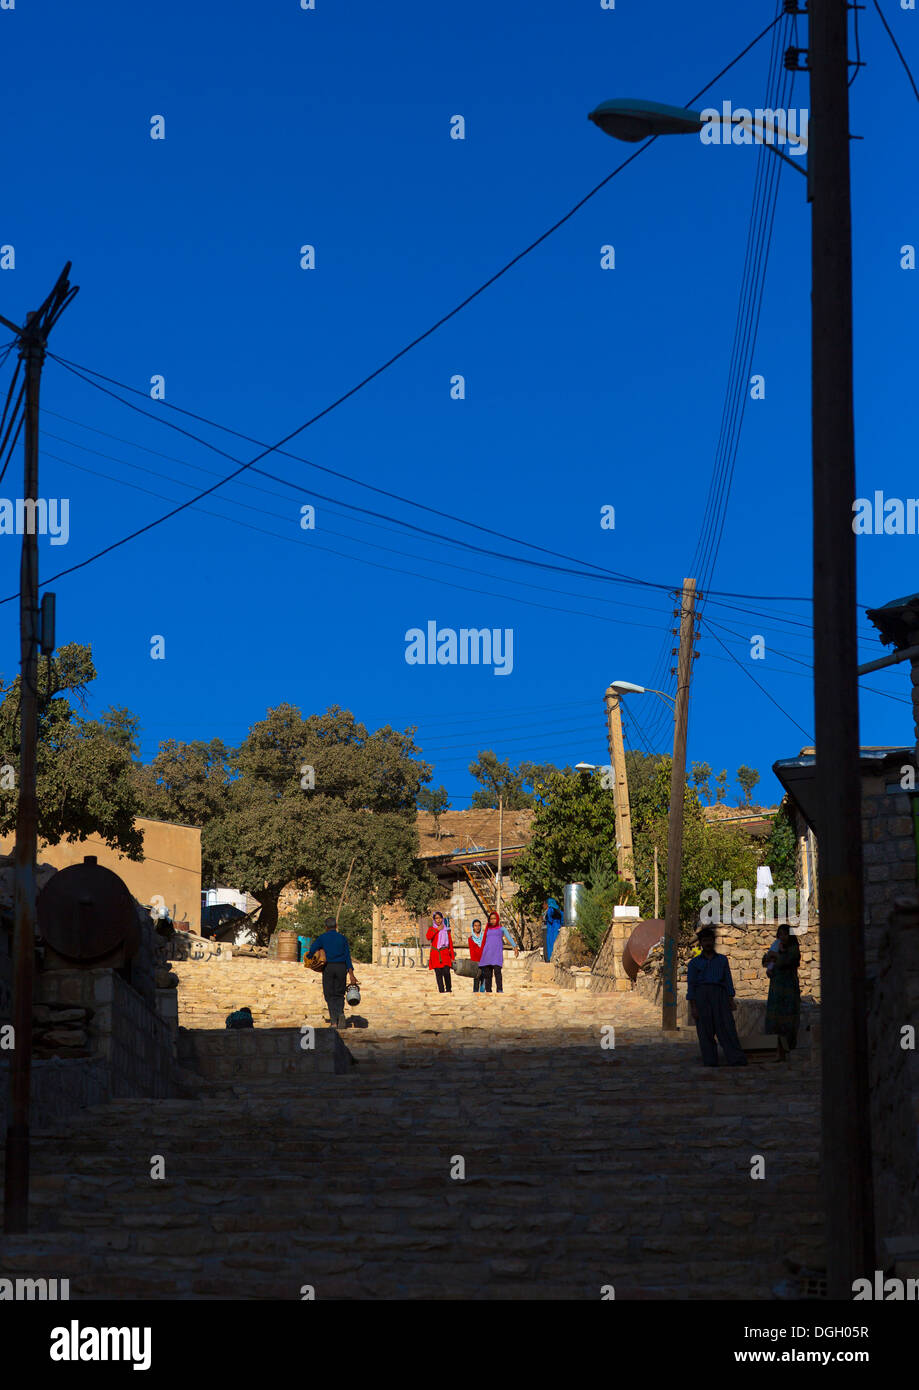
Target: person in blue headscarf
{"x": 554, "y": 920}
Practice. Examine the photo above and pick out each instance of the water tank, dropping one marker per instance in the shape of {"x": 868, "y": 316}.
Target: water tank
{"x": 87, "y": 918}
{"x": 574, "y": 892}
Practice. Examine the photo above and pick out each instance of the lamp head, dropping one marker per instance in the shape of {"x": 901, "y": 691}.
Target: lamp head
{"x": 627, "y": 118}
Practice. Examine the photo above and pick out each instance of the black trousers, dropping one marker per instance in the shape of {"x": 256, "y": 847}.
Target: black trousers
{"x": 717, "y": 1021}
{"x": 443, "y": 979}
{"x": 333, "y": 987}
{"x": 477, "y": 980}
{"x": 490, "y": 971}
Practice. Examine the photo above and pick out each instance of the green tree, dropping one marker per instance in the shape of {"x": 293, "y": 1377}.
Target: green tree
{"x": 262, "y": 828}
{"x": 780, "y": 851}
{"x": 701, "y": 780}
{"x": 747, "y": 778}
{"x": 641, "y": 771}
{"x": 123, "y": 728}
{"x": 712, "y": 854}
{"x": 354, "y": 923}
{"x": 187, "y": 782}
{"x": 652, "y": 800}
{"x": 721, "y": 786}
{"x": 434, "y": 800}
{"x": 575, "y": 820}
{"x": 515, "y": 785}
{"x": 85, "y": 777}
{"x": 605, "y": 890}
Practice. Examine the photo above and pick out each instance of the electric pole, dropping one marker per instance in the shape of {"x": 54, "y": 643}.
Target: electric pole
{"x": 624, "y": 859}
{"x": 675, "y": 827}
{"x": 32, "y": 340}
{"x": 847, "y": 1175}
{"x": 499, "y": 880}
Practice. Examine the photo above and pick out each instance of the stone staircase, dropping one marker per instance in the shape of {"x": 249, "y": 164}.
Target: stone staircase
{"x": 585, "y": 1166}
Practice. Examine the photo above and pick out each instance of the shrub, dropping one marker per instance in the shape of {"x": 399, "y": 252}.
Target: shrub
{"x": 353, "y": 922}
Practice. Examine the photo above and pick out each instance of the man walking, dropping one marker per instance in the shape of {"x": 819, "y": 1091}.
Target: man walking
{"x": 710, "y": 991}
{"x": 338, "y": 967}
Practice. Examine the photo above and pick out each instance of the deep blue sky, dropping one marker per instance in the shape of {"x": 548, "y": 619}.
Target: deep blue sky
{"x": 583, "y": 387}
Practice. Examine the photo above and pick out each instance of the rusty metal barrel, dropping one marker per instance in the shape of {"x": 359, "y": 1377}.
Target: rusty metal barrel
{"x": 87, "y": 917}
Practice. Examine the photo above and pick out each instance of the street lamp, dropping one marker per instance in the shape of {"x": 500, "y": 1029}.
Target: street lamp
{"x": 633, "y": 120}
{"x": 627, "y": 688}
{"x": 845, "y": 1089}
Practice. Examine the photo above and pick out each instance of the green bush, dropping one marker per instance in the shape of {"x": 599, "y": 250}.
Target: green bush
{"x": 605, "y": 890}
{"x": 353, "y": 922}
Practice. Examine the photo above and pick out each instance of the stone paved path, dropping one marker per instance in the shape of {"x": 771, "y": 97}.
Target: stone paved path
{"x": 585, "y": 1166}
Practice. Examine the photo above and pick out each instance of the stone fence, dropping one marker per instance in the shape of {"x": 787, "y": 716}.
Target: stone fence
{"x": 744, "y": 947}
{"x": 136, "y": 1047}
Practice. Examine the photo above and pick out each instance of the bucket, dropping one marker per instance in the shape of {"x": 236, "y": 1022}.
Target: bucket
{"x": 287, "y": 946}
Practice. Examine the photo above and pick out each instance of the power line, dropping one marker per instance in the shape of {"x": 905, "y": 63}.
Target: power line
{"x": 750, "y": 675}
{"x": 789, "y": 656}
{"x": 890, "y": 32}
{"x": 428, "y": 537}
{"x": 432, "y": 576}
{"x": 421, "y": 337}
{"x": 759, "y": 241}
{"x": 608, "y": 576}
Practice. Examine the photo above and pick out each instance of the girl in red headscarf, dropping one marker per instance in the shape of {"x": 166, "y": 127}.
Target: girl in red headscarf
{"x": 442, "y": 953}
{"x": 476, "y": 941}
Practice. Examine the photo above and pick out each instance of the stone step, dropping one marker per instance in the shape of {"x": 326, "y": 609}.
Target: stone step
{"x": 584, "y": 1166}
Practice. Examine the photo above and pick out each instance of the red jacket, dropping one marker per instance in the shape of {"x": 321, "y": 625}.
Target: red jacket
{"x": 444, "y": 957}
{"x": 475, "y": 950}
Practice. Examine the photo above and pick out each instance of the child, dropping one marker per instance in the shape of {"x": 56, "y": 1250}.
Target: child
{"x": 475, "y": 952}
{"x": 442, "y": 953}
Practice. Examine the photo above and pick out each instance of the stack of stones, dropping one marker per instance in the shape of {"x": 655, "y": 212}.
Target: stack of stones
{"x": 60, "y": 1030}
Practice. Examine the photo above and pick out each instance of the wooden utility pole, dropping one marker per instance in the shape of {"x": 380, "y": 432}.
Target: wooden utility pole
{"x": 624, "y": 859}
{"x": 657, "y": 911}
{"x": 499, "y": 884}
{"x": 32, "y": 340}
{"x": 847, "y": 1176}
{"x": 675, "y": 827}
{"x": 376, "y": 953}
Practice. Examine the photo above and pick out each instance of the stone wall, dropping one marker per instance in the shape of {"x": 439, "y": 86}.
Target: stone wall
{"x": 6, "y": 974}
{"x": 460, "y": 905}
{"x": 892, "y": 987}
{"x": 58, "y": 1087}
{"x": 744, "y": 947}
{"x": 608, "y": 973}
{"x": 270, "y": 1052}
{"x": 889, "y": 848}
{"x": 135, "y": 1046}
{"x": 892, "y": 961}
